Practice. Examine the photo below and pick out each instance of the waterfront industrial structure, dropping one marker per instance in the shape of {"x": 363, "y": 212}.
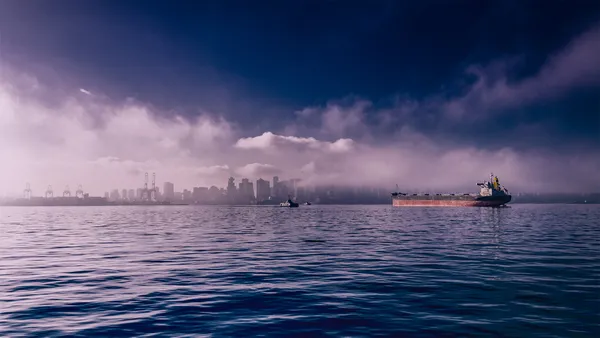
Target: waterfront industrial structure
{"x": 27, "y": 192}
{"x": 146, "y": 196}
{"x": 48, "y": 199}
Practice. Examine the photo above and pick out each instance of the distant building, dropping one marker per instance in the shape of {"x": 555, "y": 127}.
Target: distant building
{"x": 250, "y": 190}
{"x": 131, "y": 194}
{"x": 263, "y": 190}
{"x": 231, "y": 190}
{"x": 294, "y": 186}
{"x": 124, "y": 194}
{"x": 178, "y": 196}
{"x": 139, "y": 194}
{"x": 169, "y": 191}
{"x": 275, "y": 188}
{"x": 187, "y": 195}
{"x": 200, "y": 194}
{"x": 214, "y": 194}
{"x": 246, "y": 190}
{"x": 231, "y": 185}
{"x": 114, "y": 195}
{"x": 285, "y": 188}
{"x": 302, "y": 194}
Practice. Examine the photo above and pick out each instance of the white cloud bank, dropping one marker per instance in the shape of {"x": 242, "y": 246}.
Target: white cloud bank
{"x": 101, "y": 145}
{"x": 49, "y": 138}
{"x": 257, "y": 170}
{"x": 278, "y": 143}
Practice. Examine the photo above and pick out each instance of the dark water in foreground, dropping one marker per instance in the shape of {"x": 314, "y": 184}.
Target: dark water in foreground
{"x": 529, "y": 270}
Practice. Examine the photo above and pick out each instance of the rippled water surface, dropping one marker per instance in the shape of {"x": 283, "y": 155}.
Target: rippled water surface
{"x": 313, "y": 271}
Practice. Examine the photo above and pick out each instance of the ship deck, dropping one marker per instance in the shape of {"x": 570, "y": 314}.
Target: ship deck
{"x": 436, "y": 197}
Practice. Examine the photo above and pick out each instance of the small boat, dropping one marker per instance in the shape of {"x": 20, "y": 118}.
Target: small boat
{"x": 289, "y": 204}
{"x": 307, "y": 203}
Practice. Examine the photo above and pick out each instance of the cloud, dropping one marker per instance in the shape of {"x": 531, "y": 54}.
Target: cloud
{"x": 418, "y": 163}
{"x": 82, "y": 139}
{"x": 53, "y": 135}
{"x": 346, "y": 118}
{"x": 213, "y": 170}
{"x": 576, "y": 65}
{"x": 87, "y": 92}
{"x": 258, "y": 170}
{"x": 269, "y": 141}
{"x": 432, "y": 167}
{"x": 487, "y": 108}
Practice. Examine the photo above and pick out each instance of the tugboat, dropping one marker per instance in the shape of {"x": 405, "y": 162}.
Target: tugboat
{"x": 289, "y": 203}
{"x": 491, "y": 194}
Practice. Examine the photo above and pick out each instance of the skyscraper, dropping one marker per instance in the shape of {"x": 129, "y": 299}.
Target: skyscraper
{"x": 131, "y": 194}
{"x": 275, "y": 189}
{"x": 231, "y": 190}
{"x": 178, "y": 196}
{"x": 169, "y": 191}
{"x": 187, "y": 195}
{"x": 263, "y": 190}
{"x": 114, "y": 195}
{"x": 200, "y": 194}
{"x": 246, "y": 189}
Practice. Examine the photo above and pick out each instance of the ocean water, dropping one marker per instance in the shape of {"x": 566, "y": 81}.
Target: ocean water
{"x": 331, "y": 271}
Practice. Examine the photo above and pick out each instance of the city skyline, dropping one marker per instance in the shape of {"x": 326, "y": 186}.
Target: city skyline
{"x": 172, "y": 192}
{"x": 263, "y": 193}
{"x": 169, "y": 188}
{"x": 112, "y": 90}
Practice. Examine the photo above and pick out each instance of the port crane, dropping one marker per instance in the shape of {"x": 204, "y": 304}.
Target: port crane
{"x": 27, "y": 192}
{"x": 79, "y": 192}
{"x": 49, "y": 192}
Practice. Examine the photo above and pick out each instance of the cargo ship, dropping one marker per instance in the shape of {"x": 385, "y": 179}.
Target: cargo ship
{"x": 491, "y": 194}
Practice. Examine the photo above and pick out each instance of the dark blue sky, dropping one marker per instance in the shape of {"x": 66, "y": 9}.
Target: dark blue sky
{"x": 255, "y": 60}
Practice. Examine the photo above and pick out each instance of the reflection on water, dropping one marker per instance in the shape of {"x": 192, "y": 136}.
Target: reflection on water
{"x": 349, "y": 270}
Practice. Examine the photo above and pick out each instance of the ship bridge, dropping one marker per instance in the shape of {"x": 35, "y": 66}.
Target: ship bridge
{"x": 492, "y": 187}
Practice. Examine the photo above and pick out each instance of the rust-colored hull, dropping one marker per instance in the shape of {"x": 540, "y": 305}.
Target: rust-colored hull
{"x": 462, "y": 201}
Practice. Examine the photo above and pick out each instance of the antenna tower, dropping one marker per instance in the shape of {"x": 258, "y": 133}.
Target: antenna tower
{"x": 49, "y": 192}
{"x": 27, "y": 192}
{"x": 67, "y": 192}
{"x": 153, "y": 191}
{"x": 145, "y": 191}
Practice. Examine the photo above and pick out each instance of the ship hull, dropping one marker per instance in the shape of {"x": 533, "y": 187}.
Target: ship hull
{"x": 450, "y": 201}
